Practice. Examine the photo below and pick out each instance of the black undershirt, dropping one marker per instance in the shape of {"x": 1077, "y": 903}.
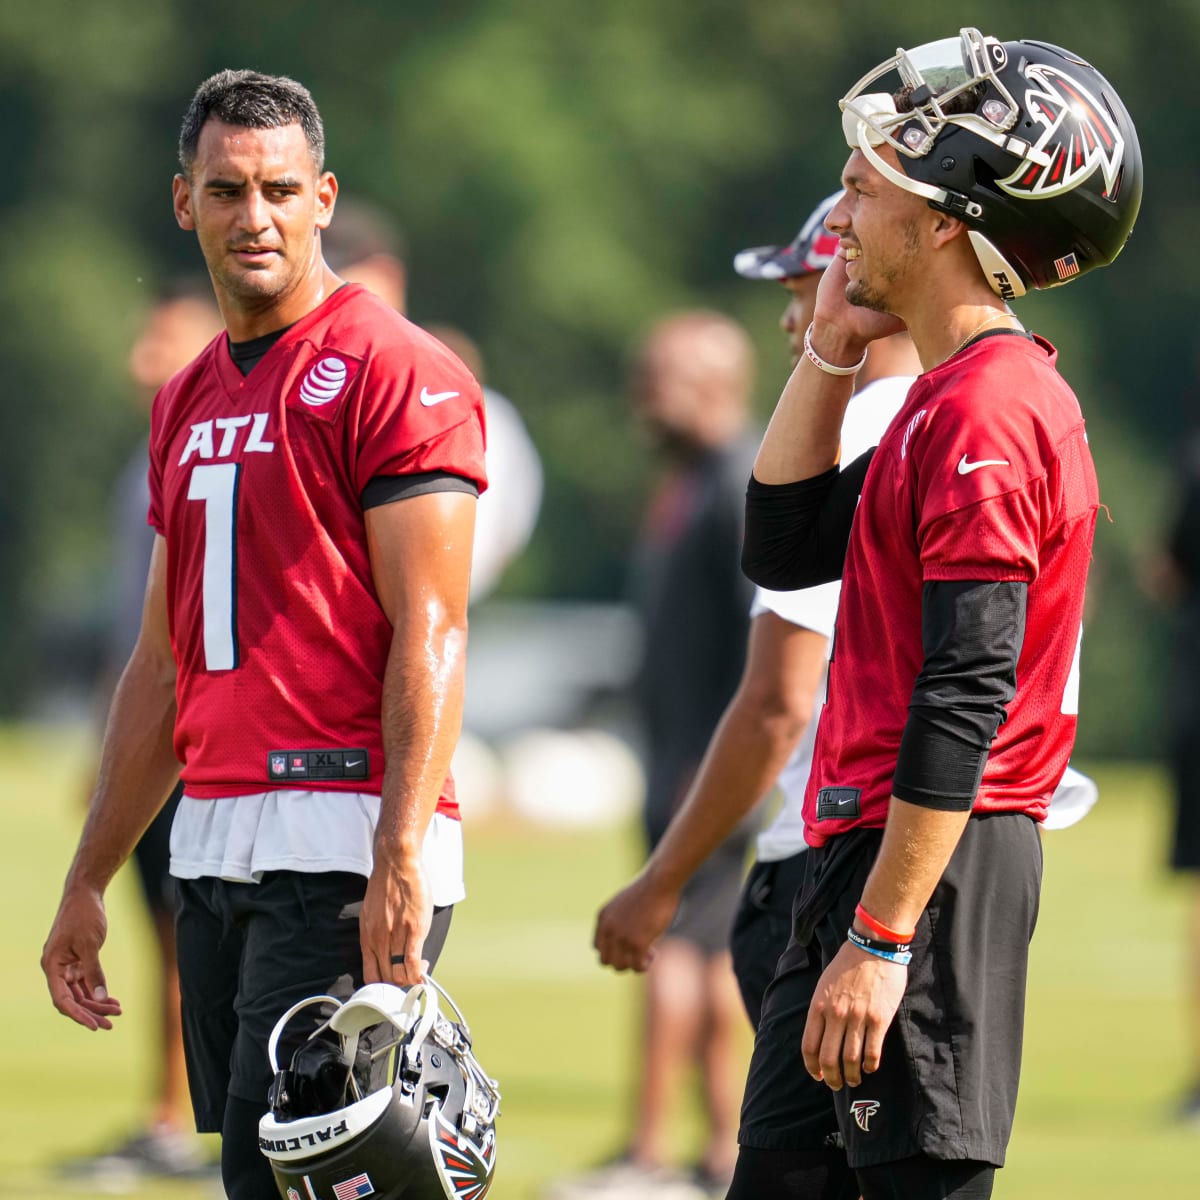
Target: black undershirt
{"x": 247, "y": 355}
{"x": 383, "y": 489}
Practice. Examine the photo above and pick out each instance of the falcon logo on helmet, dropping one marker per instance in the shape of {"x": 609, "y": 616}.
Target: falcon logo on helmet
{"x": 380, "y": 1096}
{"x": 1024, "y": 142}
{"x": 1080, "y": 137}
{"x": 467, "y": 1165}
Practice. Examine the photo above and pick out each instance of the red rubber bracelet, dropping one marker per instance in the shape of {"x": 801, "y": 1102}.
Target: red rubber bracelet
{"x": 880, "y": 929}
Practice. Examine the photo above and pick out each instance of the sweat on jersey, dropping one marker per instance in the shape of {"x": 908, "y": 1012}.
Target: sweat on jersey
{"x": 256, "y": 484}
{"x": 985, "y": 474}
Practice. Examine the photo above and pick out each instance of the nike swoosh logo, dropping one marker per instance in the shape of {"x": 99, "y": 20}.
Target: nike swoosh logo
{"x": 965, "y": 468}
{"x": 429, "y": 398}
{"x": 848, "y": 800}
{"x": 358, "y": 762}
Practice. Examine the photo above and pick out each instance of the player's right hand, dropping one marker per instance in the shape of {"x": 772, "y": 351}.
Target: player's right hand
{"x": 835, "y": 316}
{"x": 631, "y": 922}
{"x": 71, "y": 961}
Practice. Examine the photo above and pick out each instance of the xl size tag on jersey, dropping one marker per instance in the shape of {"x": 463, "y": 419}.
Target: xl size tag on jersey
{"x": 317, "y": 764}
{"x": 838, "y": 803}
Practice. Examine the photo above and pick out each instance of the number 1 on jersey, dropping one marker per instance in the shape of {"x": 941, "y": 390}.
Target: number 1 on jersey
{"x": 216, "y": 485}
{"x": 1070, "y": 700}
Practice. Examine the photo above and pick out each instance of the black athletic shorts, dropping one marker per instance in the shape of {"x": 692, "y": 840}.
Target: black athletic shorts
{"x": 762, "y": 927}
{"x": 709, "y": 899}
{"x": 247, "y": 953}
{"x": 947, "y": 1085}
{"x": 152, "y": 857}
{"x": 1185, "y": 840}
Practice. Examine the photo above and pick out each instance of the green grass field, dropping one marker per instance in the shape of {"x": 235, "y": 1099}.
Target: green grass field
{"x": 1106, "y": 1041}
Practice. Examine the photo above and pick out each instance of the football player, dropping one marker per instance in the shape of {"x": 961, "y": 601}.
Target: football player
{"x": 978, "y": 169}
{"x": 313, "y": 478}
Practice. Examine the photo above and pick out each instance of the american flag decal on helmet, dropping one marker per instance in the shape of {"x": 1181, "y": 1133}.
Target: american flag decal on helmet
{"x": 1066, "y": 266}
{"x": 354, "y": 1189}
{"x": 1079, "y": 137}
{"x": 465, "y": 1166}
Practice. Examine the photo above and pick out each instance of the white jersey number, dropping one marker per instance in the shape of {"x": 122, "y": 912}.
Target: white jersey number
{"x": 216, "y": 485}
{"x": 1070, "y": 700}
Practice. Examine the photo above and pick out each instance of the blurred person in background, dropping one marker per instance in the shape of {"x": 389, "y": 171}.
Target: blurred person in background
{"x": 691, "y": 389}
{"x": 313, "y": 479}
{"x": 765, "y": 737}
{"x": 1177, "y": 580}
{"x": 366, "y": 246}
{"x": 182, "y": 320}
{"x": 508, "y": 511}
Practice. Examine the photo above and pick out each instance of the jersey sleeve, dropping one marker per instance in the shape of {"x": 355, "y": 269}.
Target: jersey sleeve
{"x": 155, "y": 451}
{"x": 981, "y": 492}
{"x": 420, "y": 411}
{"x": 812, "y": 608}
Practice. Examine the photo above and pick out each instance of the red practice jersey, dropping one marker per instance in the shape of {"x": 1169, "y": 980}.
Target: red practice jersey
{"x": 255, "y": 482}
{"x": 985, "y": 475}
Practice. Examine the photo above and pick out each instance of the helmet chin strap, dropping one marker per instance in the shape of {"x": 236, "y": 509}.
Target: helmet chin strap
{"x": 1002, "y": 276}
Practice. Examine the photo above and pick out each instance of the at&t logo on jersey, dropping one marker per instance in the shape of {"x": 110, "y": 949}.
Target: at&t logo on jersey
{"x": 909, "y": 430}
{"x": 323, "y": 385}
{"x": 324, "y": 381}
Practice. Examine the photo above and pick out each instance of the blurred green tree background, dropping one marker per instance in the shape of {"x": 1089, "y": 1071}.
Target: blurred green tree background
{"x": 565, "y": 172}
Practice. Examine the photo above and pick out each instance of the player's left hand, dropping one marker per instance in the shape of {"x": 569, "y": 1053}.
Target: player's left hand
{"x": 71, "y": 961}
{"x": 396, "y": 914}
{"x": 852, "y": 1008}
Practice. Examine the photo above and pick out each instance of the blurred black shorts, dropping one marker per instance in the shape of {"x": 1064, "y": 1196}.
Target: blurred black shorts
{"x": 947, "y": 1085}
{"x": 762, "y": 926}
{"x": 152, "y": 857}
{"x": 1185, "y": 838}
{"x": 247, "y": 953}
{"x": 709, "y": 899}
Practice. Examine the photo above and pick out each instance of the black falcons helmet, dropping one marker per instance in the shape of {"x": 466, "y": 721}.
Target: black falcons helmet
{"x": 1028, "y": 144}
{"x": 381, "y": 1098}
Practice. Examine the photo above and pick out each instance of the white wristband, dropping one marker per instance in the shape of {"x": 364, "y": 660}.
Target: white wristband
{"x": 829, "y": 369}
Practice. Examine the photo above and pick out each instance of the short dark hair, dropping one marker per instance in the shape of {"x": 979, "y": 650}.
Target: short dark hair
{"x": 253, "y": 101}
{"x": 965, "y": 102}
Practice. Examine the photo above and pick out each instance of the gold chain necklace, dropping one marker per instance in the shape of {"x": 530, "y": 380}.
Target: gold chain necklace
{"x": 1000, "y": 316}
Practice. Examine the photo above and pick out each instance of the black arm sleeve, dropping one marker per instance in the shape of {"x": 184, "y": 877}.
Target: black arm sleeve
{"x": 972, "y": 635}
{"x": 383, "y": 489}
{"x": 796, "y": 533}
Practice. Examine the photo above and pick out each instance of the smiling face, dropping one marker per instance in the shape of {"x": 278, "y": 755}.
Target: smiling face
{"x": 882, "y": 234}
{"x": 256, "y": 200}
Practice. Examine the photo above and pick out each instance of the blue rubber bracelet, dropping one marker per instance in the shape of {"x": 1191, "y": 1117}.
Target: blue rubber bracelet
{"x": 900, "y": 957}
